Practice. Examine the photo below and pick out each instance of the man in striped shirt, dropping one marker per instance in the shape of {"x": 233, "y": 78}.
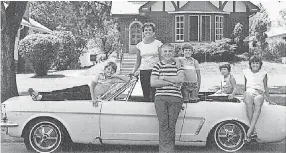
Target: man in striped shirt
{"x": 167, "y": 79}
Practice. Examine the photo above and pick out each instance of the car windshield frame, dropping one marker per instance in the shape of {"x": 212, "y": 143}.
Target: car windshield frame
{"x": 118, "y": 88}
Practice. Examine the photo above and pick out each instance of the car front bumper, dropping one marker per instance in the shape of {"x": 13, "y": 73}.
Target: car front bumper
{"x": 8, "y": 124}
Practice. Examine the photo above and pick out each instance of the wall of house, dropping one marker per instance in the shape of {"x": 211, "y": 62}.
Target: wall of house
{"x": 123, "y": 26}
{"x": 165, "y": 24}
{"x": 235, "y": 18}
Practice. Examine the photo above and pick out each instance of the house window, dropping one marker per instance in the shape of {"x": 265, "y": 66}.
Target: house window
{"x": 218, "y": 27}
{"x": 179, "y": 28}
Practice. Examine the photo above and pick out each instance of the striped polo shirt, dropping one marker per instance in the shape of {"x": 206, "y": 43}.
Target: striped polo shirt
{"x": 163, "y": 69}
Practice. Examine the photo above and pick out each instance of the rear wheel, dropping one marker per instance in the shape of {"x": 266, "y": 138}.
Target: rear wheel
{"x": 229, "y": 136}
{"x": 45, "y": 135}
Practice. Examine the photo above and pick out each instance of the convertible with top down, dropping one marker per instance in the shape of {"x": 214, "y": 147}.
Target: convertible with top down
{"x": 123, "y": 117}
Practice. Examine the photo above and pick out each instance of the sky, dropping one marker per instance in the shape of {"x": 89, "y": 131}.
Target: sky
{"x": 272, "y": 7}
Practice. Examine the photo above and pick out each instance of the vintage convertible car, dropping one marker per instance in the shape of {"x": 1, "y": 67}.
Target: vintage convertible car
{"x": 122, "y": 117}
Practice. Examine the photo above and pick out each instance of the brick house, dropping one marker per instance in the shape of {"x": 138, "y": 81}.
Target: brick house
{"x": 181, "y": 21}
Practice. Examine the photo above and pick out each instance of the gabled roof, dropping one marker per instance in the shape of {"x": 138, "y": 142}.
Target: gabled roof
{"x": 126, "y": 7}
{"x": 201, "y": 6}
{"x": 134, "y": 7}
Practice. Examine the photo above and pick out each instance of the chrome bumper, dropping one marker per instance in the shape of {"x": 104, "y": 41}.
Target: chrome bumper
{"x": 8, "y": 124}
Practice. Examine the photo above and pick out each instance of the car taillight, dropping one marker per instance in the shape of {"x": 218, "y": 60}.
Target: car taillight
{"x": 3, "y": 113}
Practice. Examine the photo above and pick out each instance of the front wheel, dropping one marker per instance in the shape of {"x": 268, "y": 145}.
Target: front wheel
{"x": 229, "y": 136}
{"x": 44, "y": 136}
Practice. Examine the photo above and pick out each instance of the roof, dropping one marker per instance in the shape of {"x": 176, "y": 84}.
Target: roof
{"x": 126, "y": 7}
{"x": 200, "y": 6}
{"x": 276, "y": 31}
{"x": 134, "y": 7}
{"x": 33, "y": 24}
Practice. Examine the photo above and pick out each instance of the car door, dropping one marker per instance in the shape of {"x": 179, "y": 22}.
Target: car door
{"x": 132, "y": 120}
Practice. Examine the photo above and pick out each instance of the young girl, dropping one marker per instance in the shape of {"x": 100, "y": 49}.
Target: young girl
{"x": 256, "y": 90}
{"x": 228, "y": 83}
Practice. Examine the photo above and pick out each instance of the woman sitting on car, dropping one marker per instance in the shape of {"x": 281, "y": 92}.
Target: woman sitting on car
{"x": 99, "y": 85}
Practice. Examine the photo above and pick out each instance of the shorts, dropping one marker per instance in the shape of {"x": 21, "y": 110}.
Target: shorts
{"x": 254, "y": 92}
{"x": 189, "y": 91}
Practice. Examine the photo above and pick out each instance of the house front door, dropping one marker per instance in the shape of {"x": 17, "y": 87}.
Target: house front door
{"x": 135, "y": 35}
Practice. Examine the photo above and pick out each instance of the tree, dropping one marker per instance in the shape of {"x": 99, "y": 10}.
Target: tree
{"x": 282, "y": 19}
{"x": 83, "y": 18}
{"x": 88, "y": 20}
{"x": 11, "y": 18}
{"x": 259, "y": 24}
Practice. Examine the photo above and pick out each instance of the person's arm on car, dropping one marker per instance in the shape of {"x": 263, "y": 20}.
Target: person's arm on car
{"x": 265, "y": 80}
{"x": 121, "y": 77}
{"x": 92, "y": 87}
{"x": 233, "y": 83}
{"x": 138, "y": 61}
{"x": 198, "y": 75}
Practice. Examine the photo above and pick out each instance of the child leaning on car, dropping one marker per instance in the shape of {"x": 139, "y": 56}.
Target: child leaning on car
{"x": 192, "y": 83}
{"x": 99, "y": 85}
{"x": 227, "y": 83}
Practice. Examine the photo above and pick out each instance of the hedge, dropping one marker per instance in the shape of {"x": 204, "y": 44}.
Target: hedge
{"x": 219, "y": 51}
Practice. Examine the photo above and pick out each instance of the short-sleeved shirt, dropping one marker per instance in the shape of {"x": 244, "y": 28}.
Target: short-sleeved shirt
{"x": 104, "y": 83}
{"x": 163, "y": 69}
{"x": 149, "y": 54}
{"x": 190, "y": 68}
{"x": 254, "y": 80}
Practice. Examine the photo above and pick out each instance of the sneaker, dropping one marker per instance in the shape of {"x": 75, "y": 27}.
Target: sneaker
{"x": 35, "y": 96}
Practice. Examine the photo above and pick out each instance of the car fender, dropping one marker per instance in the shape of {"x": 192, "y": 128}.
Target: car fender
{"x": 216, "y": 122}
{"x": 50, "y": 115}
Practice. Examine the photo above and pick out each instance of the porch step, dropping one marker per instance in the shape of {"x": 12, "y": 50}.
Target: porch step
{"x": 127, "y": 63}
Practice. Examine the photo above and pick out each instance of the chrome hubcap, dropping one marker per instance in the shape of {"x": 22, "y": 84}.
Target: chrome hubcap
{"x": 45, "y": 137}
{"x": 230, "y": 135}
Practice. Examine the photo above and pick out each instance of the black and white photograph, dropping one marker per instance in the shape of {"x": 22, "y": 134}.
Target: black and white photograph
{"x": 143, "y": 76}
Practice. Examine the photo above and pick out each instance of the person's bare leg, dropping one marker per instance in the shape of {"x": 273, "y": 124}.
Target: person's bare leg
{"x": 248, "y": 99}
{"x": 258, "y": 101}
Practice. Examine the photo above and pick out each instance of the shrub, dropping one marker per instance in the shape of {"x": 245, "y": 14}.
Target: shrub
{"x": 276, "y": 49}
{"x": 219, "y": 51}
{"x": 68, "y": 55}
{"x": 40, "y": 50}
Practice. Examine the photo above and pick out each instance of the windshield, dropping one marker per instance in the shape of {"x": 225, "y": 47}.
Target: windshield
{"x": 118, "y": 88}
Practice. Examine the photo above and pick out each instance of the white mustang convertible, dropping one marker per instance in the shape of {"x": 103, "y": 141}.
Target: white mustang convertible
{"x": 124, "y": 118}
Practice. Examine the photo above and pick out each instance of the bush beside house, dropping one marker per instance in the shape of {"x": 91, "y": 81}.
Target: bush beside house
{"x": 40, "y": 50}
{"x": 275, "y": 50}
{"x": 219, "y": 51}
